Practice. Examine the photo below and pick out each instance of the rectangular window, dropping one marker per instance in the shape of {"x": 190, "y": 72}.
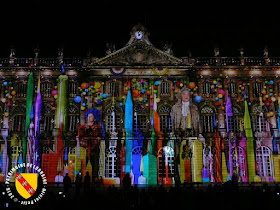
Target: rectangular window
{"x": 232, "y": 89}
{"x": 206, "y": 90}
{"x": 18, "y": 124}
{"x": 241, "y": 162}
{"x": 113, "y": 89}
{"x": 264, "y": 162}
{"x": 73, "y": 123}
{"x": 164, "y": 89}
{"x": 233, "y": 123}
{"x": 46, "y": 90}
{"x": 112, "y": 163}
{"x": 109, "y": 123}
{"x": 257, "y": 89}
{"x": 164, "y": 124}
{"x": 46, "y": 124}
{"x": 207, "y": 121}
{"x": 141, "y": 122}
{"x": 259, "y": 123}
{"x": 278, "y": 86}
{"x": 72, "y": 89}
{"x": 163, "y": 162}
{"x": 21, "y": 89}
{"x": 45, "y": 149}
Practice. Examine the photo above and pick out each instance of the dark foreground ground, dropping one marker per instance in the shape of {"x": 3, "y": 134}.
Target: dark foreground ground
{"x": 215, "y": 196}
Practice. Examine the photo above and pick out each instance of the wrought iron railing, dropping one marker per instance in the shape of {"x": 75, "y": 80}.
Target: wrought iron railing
{"x": 197, "y": 61}
{"x": 26, "y": 62}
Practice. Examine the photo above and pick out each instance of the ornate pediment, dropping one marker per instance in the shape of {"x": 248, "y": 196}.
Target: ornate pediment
{"x": 139, "y": 51}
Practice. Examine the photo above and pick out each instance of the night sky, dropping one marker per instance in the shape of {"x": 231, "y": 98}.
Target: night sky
{"x": 82, "y": 27}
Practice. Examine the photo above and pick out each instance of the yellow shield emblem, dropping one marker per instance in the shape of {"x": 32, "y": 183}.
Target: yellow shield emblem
{"x": 26, "y": 184}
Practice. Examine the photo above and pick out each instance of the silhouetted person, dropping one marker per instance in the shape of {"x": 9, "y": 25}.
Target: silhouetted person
{"x": 234, "y": 179}
{"x": 66, "y": 183}
{"x": 100, "y": 181}
{"x": 78, "y": 183}
{"x": 87, "y": 182}
{"x": 126, "y": 181}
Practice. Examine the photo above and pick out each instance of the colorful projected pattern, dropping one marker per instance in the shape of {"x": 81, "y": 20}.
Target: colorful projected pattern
{"x": 142, "y": 111}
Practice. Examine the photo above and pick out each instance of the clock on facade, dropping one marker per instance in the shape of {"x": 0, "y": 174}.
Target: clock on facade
{"x": 138, "y": 34}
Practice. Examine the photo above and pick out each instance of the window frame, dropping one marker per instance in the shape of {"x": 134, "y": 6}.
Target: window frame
{"x": 21, "y": 89}
{"x": 164, "y": 118}
{"x": 257, "y": 89}
{"x": 165, "y": 89}
{"x": 206, "y": 90}
{"x": 109, "y": 117}
{"x": 112, "y": 162}
{"x": 242, "y": 162}
{"x": 46, "y": 92}
{"x": 72, "y": 89}
{"x": 76, "y": 117}
{"x": 207, "y": 119}
{"x": 170, "y": 160}
{"x": 47, "y": 115}
{"x": 264, "y": 162}
{"x": 22, "y": 117}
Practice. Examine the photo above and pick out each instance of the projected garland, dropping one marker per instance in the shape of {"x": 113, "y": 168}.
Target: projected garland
{"x": 160, "y": 71}
{"x": 117, "y": 71}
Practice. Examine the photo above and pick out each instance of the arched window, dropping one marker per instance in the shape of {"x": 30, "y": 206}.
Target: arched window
{"x": 165, "y": 120}
{"x": 112, "y": 163}
{"x": 264, "y": 164}
{"x": 109, "y": 119}
{"x": 259, "y": 122}
{"x": 18, "y": 119}
{"x": 207, "y": 119}
{"x": 74, "y": 118}
{"x": 47, "y": 119}
{"x": 166, "y": 165}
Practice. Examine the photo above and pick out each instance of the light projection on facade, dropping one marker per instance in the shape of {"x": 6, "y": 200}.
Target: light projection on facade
{"x": 142, "y": 111}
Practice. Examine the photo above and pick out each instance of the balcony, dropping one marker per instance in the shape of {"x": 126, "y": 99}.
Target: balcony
{"x": 236, "y": 61}
{"x": 28, "y": 62}
{"x": 196, "y": 61}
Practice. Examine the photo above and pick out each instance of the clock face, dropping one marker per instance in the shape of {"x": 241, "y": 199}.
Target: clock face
{"x": 138, "y": 34}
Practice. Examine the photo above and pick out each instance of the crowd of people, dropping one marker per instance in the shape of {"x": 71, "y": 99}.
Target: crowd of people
{"x": 229, "y": 195}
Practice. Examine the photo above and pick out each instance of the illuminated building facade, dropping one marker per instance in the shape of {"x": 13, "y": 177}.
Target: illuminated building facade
{"x": 112, "y": 115}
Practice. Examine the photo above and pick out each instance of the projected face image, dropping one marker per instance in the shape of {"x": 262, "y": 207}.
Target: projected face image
{"x": 185, "y": 95}
{"x": 90, "y": 118}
